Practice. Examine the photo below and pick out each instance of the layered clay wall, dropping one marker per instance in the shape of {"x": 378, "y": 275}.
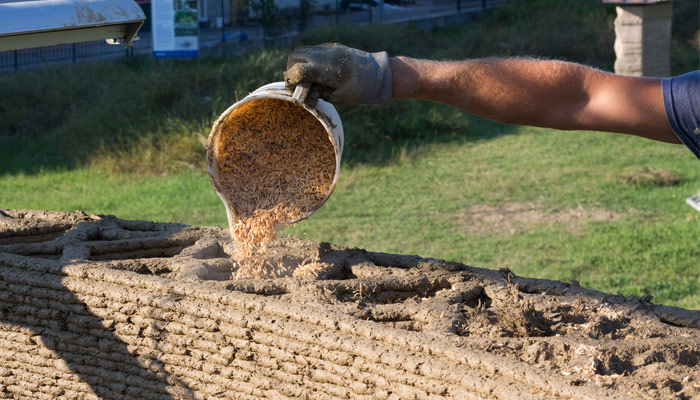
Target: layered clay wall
{"x": 99, "y": 307}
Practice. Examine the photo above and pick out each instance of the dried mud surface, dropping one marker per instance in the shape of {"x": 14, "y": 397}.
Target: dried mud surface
{"x": 100, "y": 307}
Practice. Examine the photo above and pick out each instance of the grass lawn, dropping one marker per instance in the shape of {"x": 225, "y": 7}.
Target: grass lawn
{"x": 418, "y": 178}
{"x": 541, "y": 202}
{"x": 571, "y": 216}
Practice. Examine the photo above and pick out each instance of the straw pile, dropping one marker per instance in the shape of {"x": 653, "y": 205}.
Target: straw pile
{"x": 276, "y": 164}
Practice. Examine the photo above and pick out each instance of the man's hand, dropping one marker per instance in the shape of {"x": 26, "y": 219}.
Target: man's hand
{"x": 340, "y": 74}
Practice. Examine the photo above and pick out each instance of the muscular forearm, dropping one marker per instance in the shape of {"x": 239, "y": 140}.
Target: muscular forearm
{"x": 551, "y": 94}
{"x": 506, "y": 90}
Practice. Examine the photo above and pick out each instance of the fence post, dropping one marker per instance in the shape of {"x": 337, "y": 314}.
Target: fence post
{"x": 264, "y": 20}
{"x": 483, "y": 4}
{"x": 223, "y": 25}
{"x": 337, "y": 10}
{"x": 459, "y": 6}
{"x": 16, "y": 60}
{"x": 369, "y": 4}
{"x": 74, "y": 56}
{"x": 302, "y": 15}
{"x": 381, "y": 12}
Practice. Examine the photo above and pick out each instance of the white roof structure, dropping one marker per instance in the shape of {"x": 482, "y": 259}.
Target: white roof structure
{"x": 35, "y": 23}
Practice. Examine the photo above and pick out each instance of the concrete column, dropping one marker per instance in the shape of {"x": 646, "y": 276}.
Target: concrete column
{"x": 643, "y": 34}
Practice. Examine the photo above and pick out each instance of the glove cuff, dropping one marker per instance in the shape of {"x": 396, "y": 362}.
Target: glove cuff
{"x": 383, "y": 94}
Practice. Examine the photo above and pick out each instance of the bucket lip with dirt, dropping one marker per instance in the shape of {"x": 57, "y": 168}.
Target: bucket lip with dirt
{"x": 323, "y": 111}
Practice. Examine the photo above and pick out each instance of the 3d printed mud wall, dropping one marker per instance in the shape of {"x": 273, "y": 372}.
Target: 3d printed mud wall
{"x": 99, "y": 307}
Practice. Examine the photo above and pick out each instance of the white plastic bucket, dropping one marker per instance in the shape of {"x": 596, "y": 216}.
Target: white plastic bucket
{"x": 324, "y": 112}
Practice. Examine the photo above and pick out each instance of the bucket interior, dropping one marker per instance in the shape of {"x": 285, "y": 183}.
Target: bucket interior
{"x": 267, "y": 151}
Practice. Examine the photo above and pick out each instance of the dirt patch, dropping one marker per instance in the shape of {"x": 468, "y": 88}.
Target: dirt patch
{"x": 650, "y": 177}
{"x": 135, "y": 309}
{"x": 511, "y": 218}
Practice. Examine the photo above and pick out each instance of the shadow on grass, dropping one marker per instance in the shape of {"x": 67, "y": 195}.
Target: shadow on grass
{"x": 144, "y": 136}
{"x": 376, "y": 136}
{"x": 124, "y": 115}
{"x": 70, "y": 116}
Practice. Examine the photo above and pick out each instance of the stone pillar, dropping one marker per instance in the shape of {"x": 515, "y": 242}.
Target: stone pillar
{"x": 643, "y": 34}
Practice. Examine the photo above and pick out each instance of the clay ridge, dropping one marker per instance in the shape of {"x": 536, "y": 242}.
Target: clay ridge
{"x": 109, "y": 308}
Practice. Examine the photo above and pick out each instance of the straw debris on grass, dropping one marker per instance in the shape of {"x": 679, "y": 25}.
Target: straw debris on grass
{"x": 649, "y": 177}
{"x": 275, "y": 163}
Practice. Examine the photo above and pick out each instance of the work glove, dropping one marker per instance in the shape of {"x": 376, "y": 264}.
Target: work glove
{"x": 340, "y": 74}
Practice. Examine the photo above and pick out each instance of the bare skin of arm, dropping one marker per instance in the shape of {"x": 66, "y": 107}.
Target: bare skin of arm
{"x": 552, "y": 94}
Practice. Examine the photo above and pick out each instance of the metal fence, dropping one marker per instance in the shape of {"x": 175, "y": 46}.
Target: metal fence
{"x": 227, "y": 27}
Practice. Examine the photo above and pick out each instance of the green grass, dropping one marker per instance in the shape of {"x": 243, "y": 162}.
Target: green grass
{"x": 412, "y": 203}
{"x": 185, "y": 196}
{"x": 413, "y": 206}
{"x": 126, "y": 138}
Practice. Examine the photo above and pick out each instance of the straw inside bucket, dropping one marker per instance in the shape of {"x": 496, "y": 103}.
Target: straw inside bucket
{"x": 275, "y": 164}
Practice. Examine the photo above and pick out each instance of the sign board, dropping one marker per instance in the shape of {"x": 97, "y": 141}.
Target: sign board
{"x": 175, "y": 28}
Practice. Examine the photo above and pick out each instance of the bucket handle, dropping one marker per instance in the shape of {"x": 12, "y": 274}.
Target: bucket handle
{"x": 301, "y": 91}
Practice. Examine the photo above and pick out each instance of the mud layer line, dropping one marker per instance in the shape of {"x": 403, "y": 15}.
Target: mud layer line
{"x": 99, "y": 307}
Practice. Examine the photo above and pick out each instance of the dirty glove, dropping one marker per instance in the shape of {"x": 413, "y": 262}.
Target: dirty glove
{"x": 340, "y": 74}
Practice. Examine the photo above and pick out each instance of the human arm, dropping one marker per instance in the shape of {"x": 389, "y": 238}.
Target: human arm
{"x": 545, "y": 93}
{"x": 551, "y": 94}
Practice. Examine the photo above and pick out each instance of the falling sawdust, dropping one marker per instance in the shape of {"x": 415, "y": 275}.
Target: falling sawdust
{"x": 276, "y": 164}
